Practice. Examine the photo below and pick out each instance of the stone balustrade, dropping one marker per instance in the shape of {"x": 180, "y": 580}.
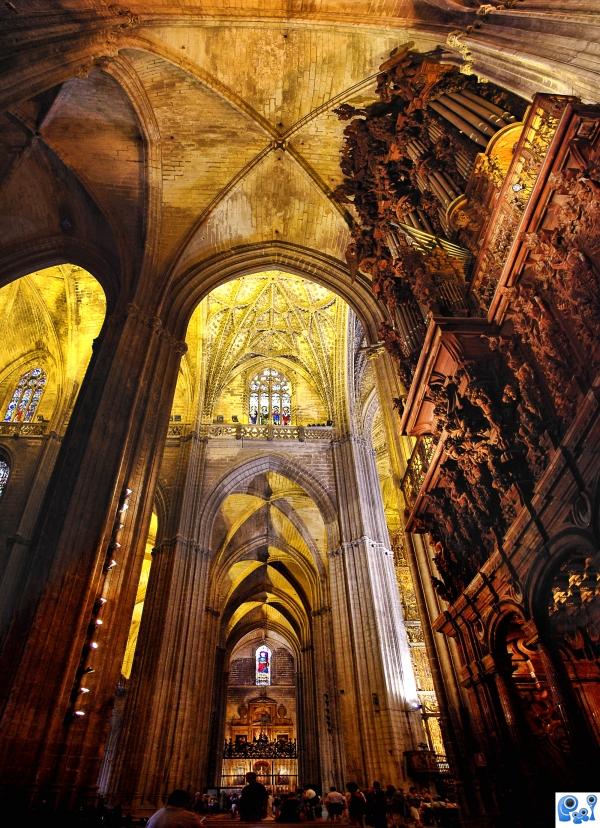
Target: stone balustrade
{"x": 23, "y": 429}
{"x": 243, "y": 431}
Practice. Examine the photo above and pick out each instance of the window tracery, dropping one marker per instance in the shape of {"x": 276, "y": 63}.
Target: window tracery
{"x": 4, "y": 473}
{"x": 26, "y": 396}
{"x": 263, "y": 665}
{"x": 270, "y": 399}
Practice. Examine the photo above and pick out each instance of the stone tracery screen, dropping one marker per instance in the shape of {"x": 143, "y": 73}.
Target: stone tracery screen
{"x": 26, "y": 396}
{"x": 270, "y": 399}
{"x": 263, "y": 665}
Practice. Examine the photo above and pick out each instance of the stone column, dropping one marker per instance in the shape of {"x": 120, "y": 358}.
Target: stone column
{"x": 108, "y": 460}
{"x": 329, "y": 736}
{"x": 442, "y": 653}
{"x": 309, "y": 720}
{"x": 166, "y": 733}
{"x": 445, "y": 666}
{"x": 376, "y": 685}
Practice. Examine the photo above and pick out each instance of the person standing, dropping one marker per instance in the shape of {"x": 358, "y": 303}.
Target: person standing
{"x": 234, "y": 799}
{"x": 310, "y": 801}
{"x": 376, "y": 807}
{"x": 290, "y": 808}
{"x": 335, "y": 802}
{"x": 357, "y": 805}
{"x": 177, "y": 813}
{"x": 399, "y": 808}
{"x": 413, "y": 800}
{"x": 253, "y": 800}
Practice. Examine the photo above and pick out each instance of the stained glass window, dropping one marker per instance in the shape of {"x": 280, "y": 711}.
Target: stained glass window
{"x": 26, "y": 397}
{"x": 263, "y": 665}
{"x": 270, "y": 399}
{"x": 4, "y": 473}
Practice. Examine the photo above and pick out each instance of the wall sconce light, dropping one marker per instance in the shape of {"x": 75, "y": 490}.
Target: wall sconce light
{"x": 99, "y": 622}
{"x": 94, "y": 645}
{"x": 84, "y": 689}
{"x": 517, "y": 186}
{"x": 79, "y": 713}
{"x": 110, "y": 565}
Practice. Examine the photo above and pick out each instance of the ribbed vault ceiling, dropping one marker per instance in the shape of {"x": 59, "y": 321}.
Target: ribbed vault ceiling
{"x": 242, "y": 145}
{"x": 197, "y": 126}
{"x": 276, "y": 316}
{"x": 271, "y": 546}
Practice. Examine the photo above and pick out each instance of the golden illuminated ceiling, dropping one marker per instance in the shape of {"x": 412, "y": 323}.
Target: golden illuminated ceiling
{"x": 163, "y": 134}
{"x": 270, "y": 547}
{"x": 276, "y": 317}
{"x": 51, "y": 319}
{"x": 238, "y": 114}
{"x": 269, "y": 537}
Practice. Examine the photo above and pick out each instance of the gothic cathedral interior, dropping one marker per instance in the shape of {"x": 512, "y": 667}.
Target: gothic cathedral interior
{"x": 300, "y": 401}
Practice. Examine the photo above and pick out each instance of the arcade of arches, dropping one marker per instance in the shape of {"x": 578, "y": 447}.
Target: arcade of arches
{"x": 299, "y": 411}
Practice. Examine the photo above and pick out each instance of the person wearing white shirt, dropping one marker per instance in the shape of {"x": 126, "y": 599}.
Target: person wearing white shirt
{"x": 177, "y": 813}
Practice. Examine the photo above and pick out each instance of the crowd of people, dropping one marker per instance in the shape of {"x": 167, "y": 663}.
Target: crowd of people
{"x": 375, "y": 807}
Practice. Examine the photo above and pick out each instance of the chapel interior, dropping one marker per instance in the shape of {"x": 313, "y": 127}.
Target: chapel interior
{"x": 299, "y": 401}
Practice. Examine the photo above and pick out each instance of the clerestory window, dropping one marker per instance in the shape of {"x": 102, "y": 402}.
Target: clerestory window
{"x": 26, "y": 397}
{"x": 270, "y": 399}
{"x": 263, "y": 665}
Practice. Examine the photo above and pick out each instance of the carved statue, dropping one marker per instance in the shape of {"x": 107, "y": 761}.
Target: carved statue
{"x": 533, "y": 320}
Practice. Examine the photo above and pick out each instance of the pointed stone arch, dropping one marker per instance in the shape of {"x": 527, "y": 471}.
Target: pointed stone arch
{"x": 58, "y": 250}
{"x": 260, "y": 465}
{"x": 184, "y": 290}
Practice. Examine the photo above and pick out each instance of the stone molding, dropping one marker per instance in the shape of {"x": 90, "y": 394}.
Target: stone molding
{"x": 156, "y": 325}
